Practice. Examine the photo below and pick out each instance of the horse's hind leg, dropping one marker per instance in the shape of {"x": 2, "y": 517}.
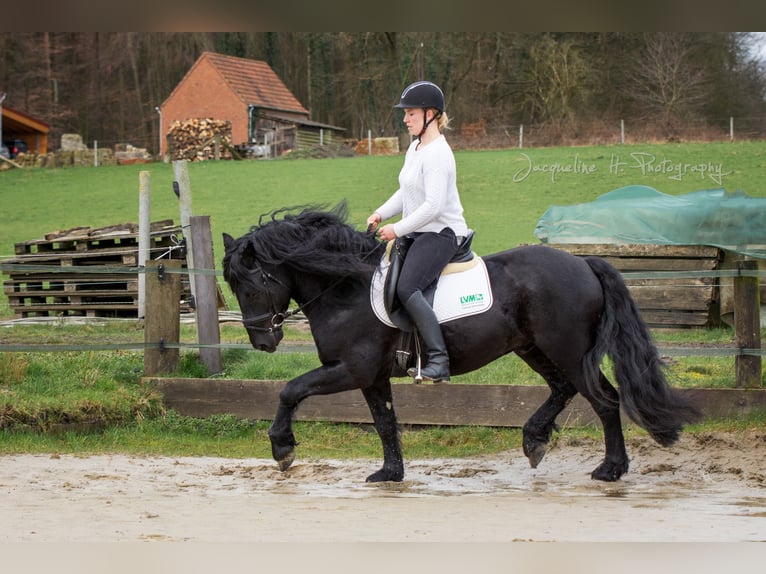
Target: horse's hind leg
{"x": 539, "y": 427}
{"x": 537, "y": 430}
{"x": 380, "y": 401}
{"x": 616, "y": 461}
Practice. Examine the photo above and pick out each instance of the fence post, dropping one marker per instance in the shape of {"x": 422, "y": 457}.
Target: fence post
{"x": 206, "y": 294}
{"x": 747, "y": 325}
{"x": 144, "y": 235}
{"x": 183, "y": 190}
{"x": 163, "y": 316}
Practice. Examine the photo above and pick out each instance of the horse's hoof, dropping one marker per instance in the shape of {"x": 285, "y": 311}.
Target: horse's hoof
{"x": 285, "y": 462}
{"x": 535, "y": 454}
{"x": 609, "y": 471}
{"x": 384, "y": 475}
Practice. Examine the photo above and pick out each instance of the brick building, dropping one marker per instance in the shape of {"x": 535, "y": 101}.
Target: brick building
{"x": 248, "y": 93}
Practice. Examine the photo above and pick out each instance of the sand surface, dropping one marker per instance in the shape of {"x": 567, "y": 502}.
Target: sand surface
{"x": 709, "y": 487}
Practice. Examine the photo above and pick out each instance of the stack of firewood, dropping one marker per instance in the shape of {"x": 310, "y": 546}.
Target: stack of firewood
{"x": 200, "y": 139}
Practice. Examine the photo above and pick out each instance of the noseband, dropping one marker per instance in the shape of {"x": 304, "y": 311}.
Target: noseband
{"x": 274, "y": 317}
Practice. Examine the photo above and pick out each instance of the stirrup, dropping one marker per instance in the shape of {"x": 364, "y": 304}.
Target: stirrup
{"x": 415, "y": 372}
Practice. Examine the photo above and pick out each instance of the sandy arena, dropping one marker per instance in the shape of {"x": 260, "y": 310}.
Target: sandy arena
{"x": 709, "y": 487}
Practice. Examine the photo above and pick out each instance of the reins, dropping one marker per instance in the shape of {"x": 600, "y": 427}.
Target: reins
{"x": 277, "y": 318}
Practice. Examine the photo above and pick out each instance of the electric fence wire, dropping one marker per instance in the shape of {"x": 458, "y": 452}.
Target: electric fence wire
{"x": 699, "y": 350}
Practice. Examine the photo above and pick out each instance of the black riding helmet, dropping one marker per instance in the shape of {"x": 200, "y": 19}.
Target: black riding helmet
{"x": 423, "y": 95}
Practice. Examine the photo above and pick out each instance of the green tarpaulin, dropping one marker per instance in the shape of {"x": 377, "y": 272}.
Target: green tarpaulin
{"x": 641, "y": 214}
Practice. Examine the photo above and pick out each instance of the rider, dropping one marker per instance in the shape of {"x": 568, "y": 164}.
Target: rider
{"x": 432, "y": 214}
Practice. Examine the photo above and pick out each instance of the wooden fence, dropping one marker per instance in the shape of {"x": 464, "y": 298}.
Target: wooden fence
{"x": 426, "y": 404}
{"x": 674, "y": 302}
{"x": 456, "y": 404}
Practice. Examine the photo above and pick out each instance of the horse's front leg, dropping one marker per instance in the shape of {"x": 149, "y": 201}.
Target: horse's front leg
{"x": 324, "y": 380}
{"x": 281, "y": 435}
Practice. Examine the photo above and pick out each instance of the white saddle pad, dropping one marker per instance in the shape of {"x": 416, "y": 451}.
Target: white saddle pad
{"x": 463, "y": 289}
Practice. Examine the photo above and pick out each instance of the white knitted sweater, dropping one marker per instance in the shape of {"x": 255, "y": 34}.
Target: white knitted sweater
{"x": 427, "y": 197}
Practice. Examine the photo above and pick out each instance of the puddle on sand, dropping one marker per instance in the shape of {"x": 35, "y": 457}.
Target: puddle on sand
{"x": 559, "y": 478}
{"x": 451, "y": 478}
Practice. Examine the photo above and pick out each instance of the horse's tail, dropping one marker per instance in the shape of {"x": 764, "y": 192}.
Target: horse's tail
{"x": 645, "y": 395}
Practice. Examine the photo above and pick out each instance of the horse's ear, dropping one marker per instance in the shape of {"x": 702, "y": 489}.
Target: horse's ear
{"x": 228, "y": 242}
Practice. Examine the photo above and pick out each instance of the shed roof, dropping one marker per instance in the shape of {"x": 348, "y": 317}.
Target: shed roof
{"x": 21, "y": 123}
{"x": 302, "y": 121}
{"x": 253, "y": 82}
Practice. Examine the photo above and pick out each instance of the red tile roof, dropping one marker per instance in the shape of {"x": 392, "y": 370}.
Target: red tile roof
{"x": 255, "y": 83}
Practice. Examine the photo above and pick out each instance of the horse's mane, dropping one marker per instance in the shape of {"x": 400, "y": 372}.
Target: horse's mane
{"x": 309, "y": 240}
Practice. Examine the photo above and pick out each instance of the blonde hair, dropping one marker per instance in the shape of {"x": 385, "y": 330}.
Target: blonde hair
{"x": 443, "y": 121}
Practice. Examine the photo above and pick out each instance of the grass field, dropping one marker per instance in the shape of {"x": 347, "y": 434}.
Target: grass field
{"x": 504, "y": 193}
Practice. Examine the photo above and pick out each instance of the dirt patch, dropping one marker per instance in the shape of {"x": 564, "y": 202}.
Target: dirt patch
{"x": 709, "y": 487}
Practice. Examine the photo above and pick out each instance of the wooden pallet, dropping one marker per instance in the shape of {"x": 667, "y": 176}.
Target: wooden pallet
{"x": 101, "y": 239}
{"x": 664, "y": 303}
{"x": 58, "y": 292}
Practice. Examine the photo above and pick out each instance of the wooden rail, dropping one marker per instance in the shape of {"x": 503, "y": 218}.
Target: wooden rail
{"x": 664, "y": 303}
{"x": 452, "y": 404}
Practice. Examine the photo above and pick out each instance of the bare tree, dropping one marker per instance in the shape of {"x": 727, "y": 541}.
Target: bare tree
{"x": 665, "y": 81}
{"x": 554, "y": 80}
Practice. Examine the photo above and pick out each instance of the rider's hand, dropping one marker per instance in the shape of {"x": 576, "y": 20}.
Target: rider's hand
{"x": 373, "y": 221}
{"x": 387, "y": 232}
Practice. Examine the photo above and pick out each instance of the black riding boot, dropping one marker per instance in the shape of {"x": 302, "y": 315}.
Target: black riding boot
{"x": 437, "y": 364}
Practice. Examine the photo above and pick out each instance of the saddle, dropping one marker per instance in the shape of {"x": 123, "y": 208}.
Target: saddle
{"x": 396, "y": 253}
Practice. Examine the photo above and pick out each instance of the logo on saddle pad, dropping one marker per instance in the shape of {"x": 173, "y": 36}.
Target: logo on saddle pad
{"x": 463, "y": 289}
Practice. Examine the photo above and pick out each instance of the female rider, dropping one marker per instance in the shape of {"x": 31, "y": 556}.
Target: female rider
{"x": 431, "y": 213}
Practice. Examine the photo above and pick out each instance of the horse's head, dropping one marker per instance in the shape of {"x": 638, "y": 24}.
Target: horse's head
{"x": 263, "y": 297}
{"x": 311, "y": 256}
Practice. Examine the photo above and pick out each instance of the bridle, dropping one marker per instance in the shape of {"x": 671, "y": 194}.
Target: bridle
{"x": 277, "y": 318}
{"x": 274, "y": 317}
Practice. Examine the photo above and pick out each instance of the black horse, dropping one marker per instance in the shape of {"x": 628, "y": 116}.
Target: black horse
{"x": 560, "y": 313}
